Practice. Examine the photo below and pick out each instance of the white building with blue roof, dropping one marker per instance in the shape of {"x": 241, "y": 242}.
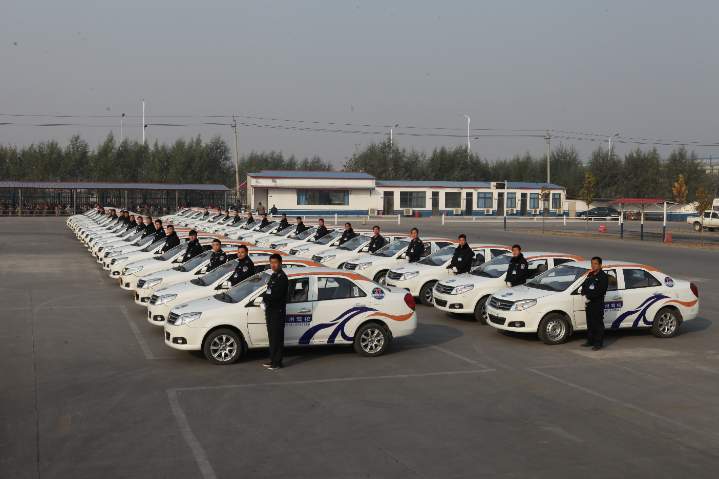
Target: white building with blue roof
{"x": 355, "y": 193}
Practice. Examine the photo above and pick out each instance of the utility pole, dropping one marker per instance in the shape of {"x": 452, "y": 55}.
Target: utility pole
{"x": 123, "y": 115}
{"x": 468, "y": 143}
{"x": 609, "y": 153}
{"x": 237, "y": 167}
{"x": 143, "y": 120}
{"x": 548, "y": 138}
{"x": 390, "y": 150}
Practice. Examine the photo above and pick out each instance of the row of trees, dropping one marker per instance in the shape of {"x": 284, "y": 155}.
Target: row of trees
{"x": 640, "y": 173}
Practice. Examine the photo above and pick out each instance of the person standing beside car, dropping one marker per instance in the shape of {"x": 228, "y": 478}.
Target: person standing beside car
{"x": 518, "y": 268}
{"x": 245, "y": 266}
{"x": 594, "y": 289}
{"x": 283, "y": 222}
{"x": 193, "y": 247}
{"x": 348, "y": 234}
{"x": 159, "y": 230}
{"x": 149, "y": 228}
{"x": 415, "y": 248}
{"x": 265, "y": 221}
{"x": 322, "y": 230}
{"x": 377, "y": 240}
{"x": 274, "y": 304}
{"x": 462, "y": 258}
{"x": 171, "y": 240}
{"x": 301, "y": 228}
{"x": 218, "y": 257}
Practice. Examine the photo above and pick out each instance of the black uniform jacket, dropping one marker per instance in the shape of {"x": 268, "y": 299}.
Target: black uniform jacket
{"x": 251, "y": 220}
{"x": 244, "y": 269}
{"x": 160, "y": 233}
{"x": 141, "y": 227}
{"x": 462, "y": 259}
{"x": 517, "y": 271}
{"x": 149, "y": 230}
{"x": 171, "y": 241}
{"x": 264, "y": 223}
{"x": 415, "y": 250}
{"x": 376, "y": 243}
{"x": 284, "y": 223}
{"x": 301, "y": 228}
{"x": 193, "y": 249}
{"x": 595, "y": 287}
{"x": 131, "y": 225}
{"x": 347, "y": 235}
{"x": 218, "y": 258}
{"x": 321, "y": 231}
{"x": 275, "y": 298}
{"x": 236, "y": 219}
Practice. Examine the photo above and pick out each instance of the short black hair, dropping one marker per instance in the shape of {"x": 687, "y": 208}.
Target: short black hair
{"x": 276, "y": 256}
{"x": 243, "y": 246}
{"x": 299, "y": 218}
{"x": 321, "y": 219}
{"x": 171, "y": 226}
{"x": 264, "y": 215}
{"x": 414, "y": 229}
{"x": 350, "y": 224}
{"x": 375, "y": 226}
{"x": 217, "y": 241}
{"x": 598, "y": 259}
{"x": 517, "y": 246}
{"x": 284, "y": 214}
{"x": 462, "y": 236}
{"x": 192, "y": 232}
{"x": 149, "y": 218}
{"x": 158, "y": 221}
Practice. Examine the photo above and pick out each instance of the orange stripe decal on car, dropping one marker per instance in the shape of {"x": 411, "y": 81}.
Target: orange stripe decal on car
{"x": 402, "y": 317}
{"x": 688, "y": 304}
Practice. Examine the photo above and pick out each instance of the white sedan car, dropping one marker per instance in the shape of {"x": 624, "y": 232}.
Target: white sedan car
{"x": 214, "y": 282}
{"x": 376, "y": 265}
{"x": 551, "y": 304}
{"x": 419, "y": 278}
{"x": 351, "y": 250}
{"x": 468, "y": 293}
{"x": 323, "y": 307}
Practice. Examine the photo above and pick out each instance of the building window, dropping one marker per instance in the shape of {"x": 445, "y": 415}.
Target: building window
{"x": 511, "y": 200}
{"x": 534, "y": 201}
{"x": 452, "y": 200}
{"x": 484, "y": 200}
{"x": 412, "y": 199}
{"x": 323, "y": 197}
{"x": 556, "y": 201}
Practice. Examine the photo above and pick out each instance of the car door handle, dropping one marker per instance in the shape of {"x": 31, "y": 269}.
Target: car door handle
{"x": 656, "y": 293}
{"x": 360, "y": 305}
{"x": 304, "y": 310}
{"x": 615, "y": 297}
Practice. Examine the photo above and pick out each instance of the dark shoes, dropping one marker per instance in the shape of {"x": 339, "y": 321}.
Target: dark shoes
{"x": 588, "y": 345}
{"x": 272, "y": 368}
{"x": 597, "y": 348}
{"x": 267, "y": 365}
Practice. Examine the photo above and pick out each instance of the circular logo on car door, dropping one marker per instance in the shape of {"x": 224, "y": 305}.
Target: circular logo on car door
{"x": 669, "y": 282}
{"x": 377, "y": 293}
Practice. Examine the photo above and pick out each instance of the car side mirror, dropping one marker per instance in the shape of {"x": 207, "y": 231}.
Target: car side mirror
{"x": 403, "y": 256}
{"x": 255, "y": 303}
{"x": 577, "y": 291}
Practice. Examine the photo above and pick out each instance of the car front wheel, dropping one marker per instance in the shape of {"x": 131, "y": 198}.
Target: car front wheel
{"x": 480, "y": 311}
{"x": 666, "y": 323}
{"x": 371, "y": 340}
{"x": 553, "y": 329}
{"x": 381, "y": 278}
{"x": 697, "y": 226}
{"x": 426, "y": 295}
{"x": 222, "y": 346}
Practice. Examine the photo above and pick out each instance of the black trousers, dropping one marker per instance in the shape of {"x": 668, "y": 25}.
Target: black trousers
{"x": 595, "y": 323}
{"x": 276, "y": 335}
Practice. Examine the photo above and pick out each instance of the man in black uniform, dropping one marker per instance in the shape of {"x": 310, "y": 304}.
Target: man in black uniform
{"x": 593, "y": 290}
{"x": 301, "y": 228}
{"x": 265, "y": 221}
{"x": 518, "y": 268}
{"x": 273, "y": 211}
{"x": 218, "y": 257}
{"x": 193, "y": 247}
{"x": 159, "y": 230}
{"x": 245, "y": 266}
{"x": 415, "y": 248}
{"x": 377, "y": 241}
{"x": 171, "y": 240}
{"x": 274, "y": 303}
{"x": 250, "y": 219}
{"x": 237, "y": 218}
{"x": 140, "y": 224}
{"x": 283, "y": 222}
{"x": 348, "y": 234}
{"x": 462, "y": 258}
{"x": 322, "y": 230}
{"x": 131, "y": 224}
{"x": 149, "y": 228}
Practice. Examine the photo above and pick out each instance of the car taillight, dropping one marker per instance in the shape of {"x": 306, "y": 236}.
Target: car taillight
{"x": 694, "y": 289}
{"x": 409, "y": 299}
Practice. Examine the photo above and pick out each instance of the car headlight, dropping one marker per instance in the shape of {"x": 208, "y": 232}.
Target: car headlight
{"x": 522, "y": 305}
{"x": 409, "y": 275}
{"x": 187, "y": 318}
{"x": 112, "y": 254}
{"x": 118, "y": 260}
{"x": 165, "y": 298}
{"x": 463, "y": 289}
{"x": 363, "y": 265}
{"x": 301, "y": 250}
{"x": 327, "y": 258}
{"x": 262, "y": 241}
{"x": 152, "y": 282}
{"x": 132, "y": 270}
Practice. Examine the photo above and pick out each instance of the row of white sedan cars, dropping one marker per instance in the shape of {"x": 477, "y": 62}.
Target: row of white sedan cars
{"x": 343, "y": 294}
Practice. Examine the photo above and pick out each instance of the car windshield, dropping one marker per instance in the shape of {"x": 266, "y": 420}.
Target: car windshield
{"x": 268, "y": 227}
{"x": 194, "y": 262}
{"x": 438, "y": 258}
{"x": 169, "y": 254}
{"x": 354, "y": 243}
{"x": 494, "y": 268}
{"x": 244, "y": 289}
{"x": 305, "y": 234}
{"x": 215, "y": 274}
{"x": 391, "y": 249}
{"x": 152, "y": 246}
{"x": 558, "y": 279}
{"x": 285, "y": 231}
{"x": 216, "y": 218}
{"x": 326, "y": 239}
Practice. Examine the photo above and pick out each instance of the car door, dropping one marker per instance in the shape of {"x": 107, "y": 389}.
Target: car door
{"x": 338, "y": 300}
{"x": 642, "y": 295}
{"x": 256, "y": 324}
{"x": 300, "y": 306}
{"x": 612, "y": 302}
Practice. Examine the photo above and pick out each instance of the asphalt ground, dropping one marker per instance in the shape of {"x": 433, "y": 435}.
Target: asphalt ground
{"x": 88, "y": 388}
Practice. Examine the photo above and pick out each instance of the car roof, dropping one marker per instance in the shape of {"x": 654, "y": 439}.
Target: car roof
{"x": 614, "y": 264}
{"x": 483, "y": 245}
{"x": 330, "y": 272}
{"x": 536, "y": 254}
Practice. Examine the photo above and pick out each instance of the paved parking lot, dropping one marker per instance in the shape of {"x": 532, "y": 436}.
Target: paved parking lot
{"x": 89, "y": 389}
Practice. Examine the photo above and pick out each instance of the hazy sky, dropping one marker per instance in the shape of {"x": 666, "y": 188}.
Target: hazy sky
{"x": 643, "y": 69}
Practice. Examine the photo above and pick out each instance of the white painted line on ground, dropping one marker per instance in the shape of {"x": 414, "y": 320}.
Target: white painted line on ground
{"x": 138, "y": 335}
{"x": 625, "y": 404}
{"x": 192, "y": 441}
{"x": 445, "y": 351}
{"x": 562, "y": 433}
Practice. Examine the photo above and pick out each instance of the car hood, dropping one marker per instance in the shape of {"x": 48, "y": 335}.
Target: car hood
{"x": 181, "y": 288}
{"x": 201, "y": 305}
{"x": 167, "y": 273}
{"x": 411, "y": 268}
{"x": 148, "y": 262}
{"x": 519, "y": 293}
{"x": 465, "y": 279}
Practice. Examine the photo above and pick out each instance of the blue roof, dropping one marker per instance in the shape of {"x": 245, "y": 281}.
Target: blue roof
{"x": 333, "y": 175}
{"x": 76, "y": 185}
{"x": 462, "y": 184}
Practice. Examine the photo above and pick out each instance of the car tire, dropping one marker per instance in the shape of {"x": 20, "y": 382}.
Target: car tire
{"x": 426, "y": 295}
{"x": 697, "y": 226}
{"x": 381, "y": 278}
{"x": 371, "y": 340}
{"x": 480, "y": 311}
{"x": 553, "y": 329}
{"x": 222, "y": 346}
{"x": 666, "y": 323}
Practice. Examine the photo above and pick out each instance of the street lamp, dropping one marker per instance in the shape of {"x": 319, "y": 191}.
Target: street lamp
{"x": 468, "y": 145}
{"x": 123, "y": 115}
{"x": 470, "y": 142}
{"x": 143, "y": 120}
{"x": 390, "y": 149}
{"x": 609, "y": 153}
